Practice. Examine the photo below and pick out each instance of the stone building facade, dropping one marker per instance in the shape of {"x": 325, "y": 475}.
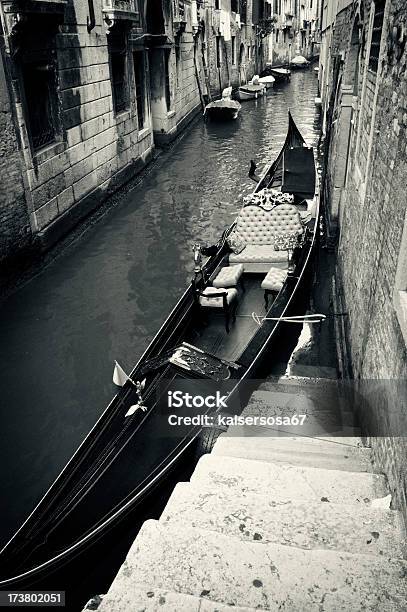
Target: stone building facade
{"x": 92, "y": 87}
{"x": 365, "y": 106}
{"x": 14, "y": 222}
{"x": 295, "y": 30}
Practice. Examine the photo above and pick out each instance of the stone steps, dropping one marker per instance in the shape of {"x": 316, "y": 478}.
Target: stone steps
{"x": 223, "y": 569}
{"x": 305, "y": 452}
{"x": 312, "y": 371}
{"x": 253, "y": 517}
{"x": 124, "y": 596}
{"x": 287, "y": 482}
{"x": 286, "y": 401}
{"x": 276, "y": 518}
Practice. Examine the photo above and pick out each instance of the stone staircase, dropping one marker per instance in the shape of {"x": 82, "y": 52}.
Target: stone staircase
{"x": 275, "y": 518}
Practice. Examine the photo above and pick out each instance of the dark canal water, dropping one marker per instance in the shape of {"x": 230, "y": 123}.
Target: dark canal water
{"x": 107, "y": 295}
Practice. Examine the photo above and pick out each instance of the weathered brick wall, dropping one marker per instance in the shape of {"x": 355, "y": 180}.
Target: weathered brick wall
{"x": 372, "y": 217}
{"x": 243, "y": 68}
{"x": 99, "y": 143}
{"x": 15, "y": 232}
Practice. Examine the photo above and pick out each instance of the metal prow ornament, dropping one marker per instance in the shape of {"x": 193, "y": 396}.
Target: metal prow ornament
{"x": 140, "y": 402}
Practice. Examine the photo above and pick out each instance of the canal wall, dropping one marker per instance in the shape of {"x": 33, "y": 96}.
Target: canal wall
{"x": 15, "y": 226}
{"x": 366, "y": 124}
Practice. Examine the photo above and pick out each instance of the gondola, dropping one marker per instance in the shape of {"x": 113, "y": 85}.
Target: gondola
{"x": 199, "y": 349}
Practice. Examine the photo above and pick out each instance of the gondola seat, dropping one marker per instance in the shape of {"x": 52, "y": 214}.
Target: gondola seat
{"x": 214, "y": 297}
{"x": 259, "y": 258}
{"x": 229, "y": 276}
{"x": 273, "y": 283}
{"x": 257, "y": 229}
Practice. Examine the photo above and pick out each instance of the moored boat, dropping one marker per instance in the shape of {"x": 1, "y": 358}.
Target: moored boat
{"x": 224, "y": 109}
{"x": 299, "y": 61}
{"x": 280, "y": 74}
{"x": 252, "y": 90}
{"x": 219, "y": 333}
{"x": 267, "y": 81}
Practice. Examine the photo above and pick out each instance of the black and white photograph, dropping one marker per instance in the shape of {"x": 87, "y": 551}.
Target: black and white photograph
{"x": 203, "y": 305}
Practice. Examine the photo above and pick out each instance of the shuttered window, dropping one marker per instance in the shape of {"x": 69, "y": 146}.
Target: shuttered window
{"x": 40, "y": 93}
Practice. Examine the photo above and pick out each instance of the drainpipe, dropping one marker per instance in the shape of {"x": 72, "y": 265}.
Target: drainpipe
{"x": 90, "y": 19}
{"x": 196, "y": 38}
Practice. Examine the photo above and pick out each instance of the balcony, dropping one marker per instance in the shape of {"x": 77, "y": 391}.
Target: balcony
{"x": 115, "y": 11}
{"x": 288, "y": 20}
{"x": 19, "y": 12}
{"x": 180, "y": 20}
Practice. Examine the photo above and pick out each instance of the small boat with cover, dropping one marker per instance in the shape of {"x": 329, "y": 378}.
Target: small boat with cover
{"x": 280, "y": 74}
{"x": 252, "y": 90}
{"x": 299, "y": 61}
{"x": 267, "y": 81}
{"x": 224, "y": 331}
{"x": 224, "y": 109}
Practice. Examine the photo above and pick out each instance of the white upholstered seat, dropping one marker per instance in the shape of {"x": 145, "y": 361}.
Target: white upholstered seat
{"x": 216, "y": 302}
{"x": 261, "y": 255}
{"x": 274, "y": 279}
{"x": 228, "y": 276}
{"x": 259, "y": 228}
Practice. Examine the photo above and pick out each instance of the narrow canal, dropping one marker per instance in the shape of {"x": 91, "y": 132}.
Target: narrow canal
{"x": 107, "y": 295}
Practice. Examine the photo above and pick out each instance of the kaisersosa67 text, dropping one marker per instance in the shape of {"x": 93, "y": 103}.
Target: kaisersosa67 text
{"x": 221, "y": 420}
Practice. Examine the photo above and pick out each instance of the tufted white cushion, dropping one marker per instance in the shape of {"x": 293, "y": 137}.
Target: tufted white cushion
{"x": 259, "y": 253}
{"x": 258, "y": 226}
{"x": 228, "y": 277}
{"x": 218, "y": 301}
{"x": 274, "y": 279}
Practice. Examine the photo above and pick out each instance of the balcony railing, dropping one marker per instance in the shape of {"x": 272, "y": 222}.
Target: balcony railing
{"x": 180, "y": 20}
{"x": 120, "y": 10}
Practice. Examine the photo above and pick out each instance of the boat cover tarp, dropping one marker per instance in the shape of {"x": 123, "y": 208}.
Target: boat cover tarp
{"x": 299, "y": 172}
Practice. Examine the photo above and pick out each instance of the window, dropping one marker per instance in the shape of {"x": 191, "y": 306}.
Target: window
{"x": 233, "y": 50}
{"x": 118, "y": 70}
{"x": 167, "y": 78}
{"x": 217, "y": 5}
{"x": 277, "y": 34}
{"x": 400, "y": 288}
{"x": 218, "y": 52}
{"x": 249, "y": 53}
{"x": 376, "y": 34}
{"x": 284, "y": 35}
{"x": 234, "y": 6}
{"x": 139, "y": 74}
{"x": 39, "y": 80}
{"x": 243, "y": 11}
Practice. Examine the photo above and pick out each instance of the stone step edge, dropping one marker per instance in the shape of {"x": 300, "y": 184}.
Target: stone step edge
{"x": 279, "y": 456}
{"x": 335, "y": 440}
{"x": 208, "y": 457}
{"x": 328, "y": 444}
{"x": 158, "y": 599}
{"x": 174, "y": 531}
{"x": 367, "y": 509}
